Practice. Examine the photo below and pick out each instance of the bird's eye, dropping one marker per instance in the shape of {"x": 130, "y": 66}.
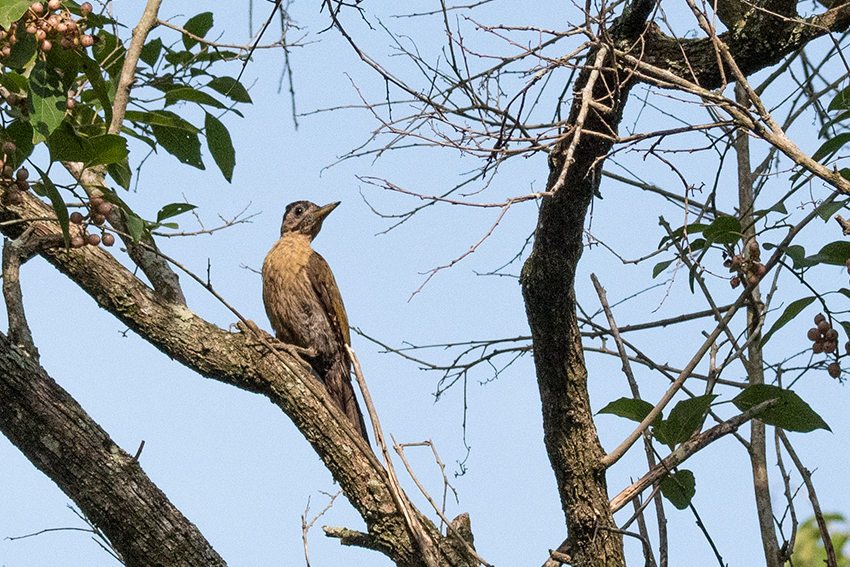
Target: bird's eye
{"x": 298, "y": 211}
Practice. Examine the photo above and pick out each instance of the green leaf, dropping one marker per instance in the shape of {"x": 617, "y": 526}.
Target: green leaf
{"x": 231, "y": 88}
{"x": 20, "y": 133}
{"x": 11, "y": 11}
{"x": 181, "y": 143}
{"x": 790, "y": 412}
{"x": 150, "y": 52}
{"x": 172, "y": 210}
{"x": 120, "y": 173}
{"x": 798, "y": 254}
{"x": 220, "y": 146}
{"x": 23, "y": 52}
{"x": 794, "y": 308}
{"x": 827, "y": 210}
{"x": 680, "y": 232}
{"x": 135, "y": 225}
{"x": 724, "y": 230}
{"x": 630, "y": 408}
{"x": 162, "y": 118}
{"x": 106, "y": 149}
{"x": 192, "y": 95}
{"x": 831, "y": 146}
{"x": 686, "y": 418}
{"x": 841, "y": 101}
{"x": 58, "y": 204}
{"x": 95, "y": 78}
{"x": 660, "y": 267}
{"x": 109, "y": 53}
{"x": 13, "y": 81}
{"x": 47, "y": 100}
{"x": 835, "y": 253}
{"x": 679, "y": 488}
{"x": 197, "y": 25}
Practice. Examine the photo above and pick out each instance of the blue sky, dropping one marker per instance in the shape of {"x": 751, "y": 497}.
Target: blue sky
{"x": 236, "y": 466}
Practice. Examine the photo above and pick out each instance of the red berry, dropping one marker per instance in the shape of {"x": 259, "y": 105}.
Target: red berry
{"x": 834, "y": 370}
{"x": 108, "y": 239}
{"x": 87, "y": 41}
{"x": 85, "y": 9}
{"x": 37, "y": 7}
{"x": 53, "y": 4}
{"x": 31, "y": 29}
{"x": 93, "y": 239}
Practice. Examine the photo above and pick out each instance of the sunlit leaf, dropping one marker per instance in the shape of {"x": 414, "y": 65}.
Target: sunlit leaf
{"x": 686, "y": 418}
{"x": 11, "y": 11}
{"x": 47, "y": 99}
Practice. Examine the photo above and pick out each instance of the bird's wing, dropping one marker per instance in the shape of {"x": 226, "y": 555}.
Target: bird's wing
{"x": 322, "y": 280}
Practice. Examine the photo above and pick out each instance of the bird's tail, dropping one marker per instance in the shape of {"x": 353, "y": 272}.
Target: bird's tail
{"x": 338, "y": 383}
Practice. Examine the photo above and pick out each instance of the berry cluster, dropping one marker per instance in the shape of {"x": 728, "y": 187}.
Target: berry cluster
{"x": 49, "y": 24}
{"x": 13, "y": 182}
{"x": 98, "y": 211}
{"x": 749, "y": 270}
{"x": 825, "y": 339}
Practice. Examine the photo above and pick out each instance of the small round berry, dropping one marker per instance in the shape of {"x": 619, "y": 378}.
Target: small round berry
{"x": 22, "y": 184}
{"x": 98, "y": 219}
{"x": 77, "y": 242}
{"x": 761, "y": 270}
{"x": 76, "y": 217}
{"x": 9, "y": 148}
{"x": 735, "y": 282}
{"x": 37, "y": 7}
{"x": 67, "y": 44}
{"x": 31, "y": 29}
{"x": 93, "y": 240}
{"x": 46, "y": 45}
{"x": 831, "y": 335}
{"x": 14, "y": 197}
{"x": 95, "y": 202}
{"x": 834, "y": 370}
{"x": 818, "y": 318}
{"x": 814, "y": 334}
{"x": 70, "y": 103}
{"x": 847, "y": 347}
{"x": 53, "y": 21}
{"x": 54, "y": 4}
{"x": 108, "y": 239}
{"x": 6, "y": 51}
{"x": 85, "y": 8}
{"x": 754, "y": 247}
{"x": 22, "y": 174}
{"x": 41, "y": 35}
{"x": 727, "y": 263}
{"x": 104, "y": 208}
{"x": 7, "y": 171}
{"x": 87, "y": 41}
{"x": 824, "y": 327}
{"x": 71, "y": 25}
{"x": 817, "y": 347}
{"x": 737, "y": 260}
{"x": 830, "y": 346}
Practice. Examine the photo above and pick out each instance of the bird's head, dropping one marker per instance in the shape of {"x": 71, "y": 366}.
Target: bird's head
{"x": 304, "y": 217}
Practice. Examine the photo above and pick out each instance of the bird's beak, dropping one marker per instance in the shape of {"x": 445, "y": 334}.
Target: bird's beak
{"x": 322, "y": 212}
